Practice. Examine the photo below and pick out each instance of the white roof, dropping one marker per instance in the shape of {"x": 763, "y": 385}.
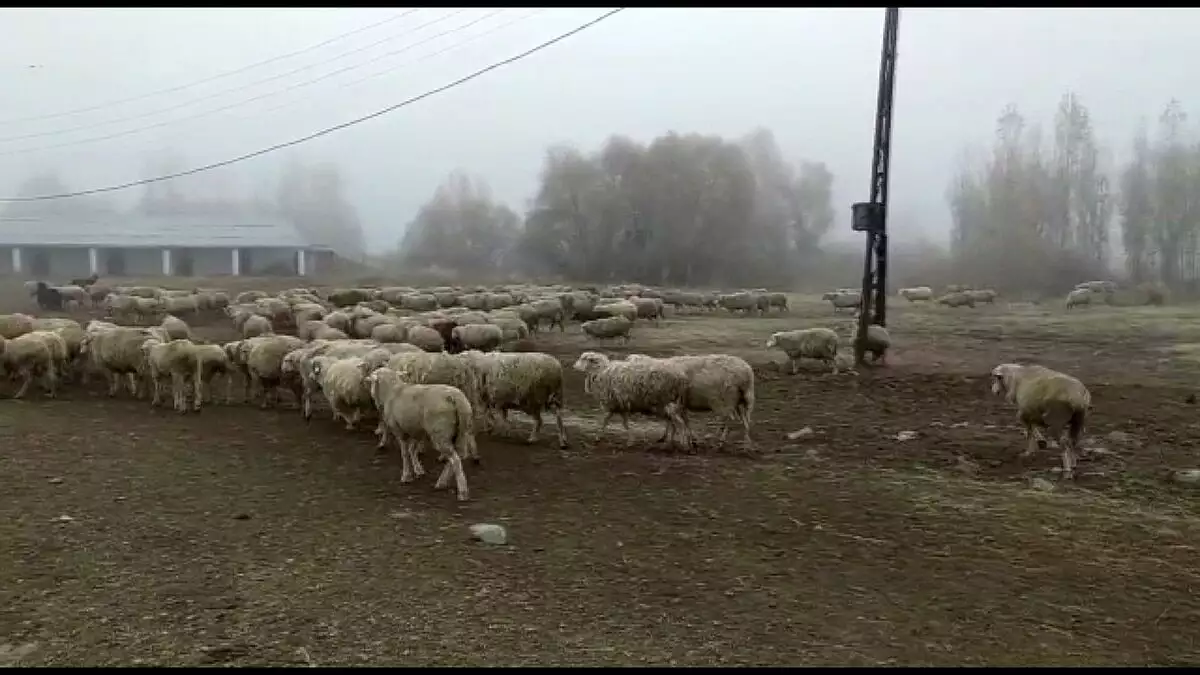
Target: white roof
{"x": 135, "y": 231}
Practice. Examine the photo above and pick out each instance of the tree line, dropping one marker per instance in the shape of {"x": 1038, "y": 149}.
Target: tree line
{"x": 681, "y": 210}
{"x": 1040, "y": 214}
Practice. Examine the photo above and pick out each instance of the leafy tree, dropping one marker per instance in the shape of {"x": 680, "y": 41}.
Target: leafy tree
{"x": 461, "y": 228}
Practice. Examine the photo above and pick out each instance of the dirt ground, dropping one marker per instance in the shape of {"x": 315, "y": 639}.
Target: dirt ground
{"x": 241, "y": 536}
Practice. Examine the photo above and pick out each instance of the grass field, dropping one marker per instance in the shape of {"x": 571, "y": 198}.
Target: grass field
{"x": 245, "y": 537}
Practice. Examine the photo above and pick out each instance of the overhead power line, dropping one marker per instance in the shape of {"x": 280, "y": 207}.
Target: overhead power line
{"x": 217, "y": 94}
{"x": 212, "y": 78}
{"x": 238, "y": 104}
{"x": 328, "y": 130}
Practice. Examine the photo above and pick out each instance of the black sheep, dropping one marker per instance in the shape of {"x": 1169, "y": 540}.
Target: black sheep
{"x": 48, "y": 298}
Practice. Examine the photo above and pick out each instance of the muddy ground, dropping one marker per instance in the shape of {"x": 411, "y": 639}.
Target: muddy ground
{"x": 241, "y": 536}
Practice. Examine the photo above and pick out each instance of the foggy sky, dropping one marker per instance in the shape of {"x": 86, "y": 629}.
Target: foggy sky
{"x": 809, "y": 75}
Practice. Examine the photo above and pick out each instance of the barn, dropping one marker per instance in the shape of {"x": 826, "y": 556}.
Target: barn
{"x": 131, "y": 245}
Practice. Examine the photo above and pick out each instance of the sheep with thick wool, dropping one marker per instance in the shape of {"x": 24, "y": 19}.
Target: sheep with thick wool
{"x": 1080, "y": 297}
{"x": 809, "y": 343}
{"x": 259, "y": 359}
{"x": 117, "y": 353}
{"x": 529, "y": 382}
{"x": 29, "y": 356}
{"x": 211, "y": 361}
{"x": 479, "y": 337}
{"x": 611, "y": 327}
{"x": 1049, "y": 401}
{"x": 343, "y": 382}
{"x": 917, "y": 294}
{"x": 174, "y": 360}
{"x": 650, "y": 387}
{"x": 15, "y": 325}
{"x": 843, "y": 299}
{"x": 718, "y": 383}
{"x": 957, "y": 299}
{"x": 413, "y": 413}
{"x": 878, "y": 341}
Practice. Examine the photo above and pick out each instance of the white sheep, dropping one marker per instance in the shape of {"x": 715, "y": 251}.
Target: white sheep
{"x": 810, "y": 343}
{"x": 878, "y": 341}
{"x": 917, "y": 294}
{"x": 29, "y": 356}
{"x": 176, "y": 328}
{"x": 611, "y": 327}
{"x": 957, "y": 299}
{"x": 211, "y": 361}
{"x": 259, "y": 359}
{"x": 1046, "y": 400}
{"x": 174, "y": 359}
{"x": 843, "y": 299}
{"x": 411, "y": 413}
{"x": 426, "y": 338}
{"x": 530, "y": 382}
{"x": 717, "y": 383}
{"x": 343, "y": 383}
{"x": 14, "y": 325}
{"x": 256, "y": 325}
{"x": 436, "y": 368}
{"x": 648, "y": 387}
{"x": 117, "y": 353}
{"x": 1079, "y": 297}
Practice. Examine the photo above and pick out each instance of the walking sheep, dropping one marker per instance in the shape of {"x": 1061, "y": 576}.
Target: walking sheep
{"x": 1046, "y": 400}
{"x": 411, "y": 413}
{"x": 649, "y": 387}
{"x": 810, "y": 343}
{"x": 528, "y": 382}
{"x": 717, "y": 383}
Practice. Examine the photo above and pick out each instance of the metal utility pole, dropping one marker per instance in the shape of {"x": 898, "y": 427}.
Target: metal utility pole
{"x": 871, "y": 217}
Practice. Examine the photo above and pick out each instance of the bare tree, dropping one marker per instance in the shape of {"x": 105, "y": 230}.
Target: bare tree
{"x": 461, "y": 228}
{"x": 312, "y": 197}
{"x": 682, "y": 210}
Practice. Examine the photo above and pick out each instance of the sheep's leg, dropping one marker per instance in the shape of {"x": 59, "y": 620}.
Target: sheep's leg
{"x": 179, "y": 387}
{"x": 1069, "y": 461}
{"x": 198, "y": 395}
{"x": 604, "y": 422}
{"x": 131, "y": 379}
{"x": 381, "y": 433}
{"x": 352, "y": 419}
{"x": 792, "y": 362}
{"x": 833, "y": 362}
{"x": 679, "y": 415}
{"x": 306, "y": 404}
{"x": 562, "y": 432}
{"x": 453, "y": 465}
{"x": 537, "y": 426}
{"x": 114, "y": 382}
{"x": 156, "y": 384}
{"x": 406, "y": 472}
{"x": 414, "y": 451}
{"x": 26, "y": 380}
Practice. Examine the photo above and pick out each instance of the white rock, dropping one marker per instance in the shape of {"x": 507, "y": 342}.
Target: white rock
{"x": 1041, "y": 484}
{"x": 795, "y": 435}
{"x": 906, "y": 435}
{"x": 1187, "y": 476}
{"x": 489, "y": 534}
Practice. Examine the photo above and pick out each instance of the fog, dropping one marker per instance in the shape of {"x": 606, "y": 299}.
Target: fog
{"x": 807, "y": 75}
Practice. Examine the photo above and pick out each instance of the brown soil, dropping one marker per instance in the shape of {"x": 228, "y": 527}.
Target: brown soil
{"x": 241, "y": 536}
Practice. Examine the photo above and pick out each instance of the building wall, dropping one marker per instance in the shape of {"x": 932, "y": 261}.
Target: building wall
{"x": 68, "y": 262}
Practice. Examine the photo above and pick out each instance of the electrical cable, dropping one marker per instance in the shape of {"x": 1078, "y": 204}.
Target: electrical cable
{"x": 328, "y": 130}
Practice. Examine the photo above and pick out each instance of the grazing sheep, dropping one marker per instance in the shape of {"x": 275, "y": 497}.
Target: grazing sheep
{"x": 957, "y": 299}
{"x": 917, "y": 294}
{"x": 29, "y": 356}
{"x": 778, "y": 301}
{"x": 426, "y": 338}
{"x": 648, "y": 387}
{"x": 810, "y": 343}
{"x": 343, "y": 383}
{"x": 878, "y": 341}
{"x": 1046, "y": 400}
{"x": 174, "y": 359}
{"x": 717, "y": 383}
{"x": 843, "y": 299}
{"x": 528, "y": 382}
{"x": 60, "y": 353}
{"x": 739, "y": 302}
{"x": 1080, "y": 297}
{"x": 211, "y": 361}
{"x": 176, "y": 328}
{"x": 411, "y": 413}
{"x": 611, "y": 327}
{"x": 484, "y": 338}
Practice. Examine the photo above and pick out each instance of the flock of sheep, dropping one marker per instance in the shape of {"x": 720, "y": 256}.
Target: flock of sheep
{"x": 425, "y": 363}
{"x": 428, "y": 363}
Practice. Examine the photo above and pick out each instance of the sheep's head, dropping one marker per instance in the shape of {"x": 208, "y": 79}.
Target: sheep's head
{"x": 1004, "y": 379}
{"x": 773, "y": 340}
{"x": 590, "y": 362}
